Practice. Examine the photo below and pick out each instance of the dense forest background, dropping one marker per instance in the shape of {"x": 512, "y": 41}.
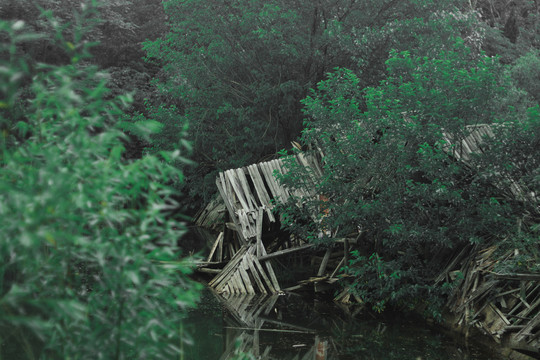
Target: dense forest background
{"x": 90, "y": 174}
{"x": 236, "y": 72}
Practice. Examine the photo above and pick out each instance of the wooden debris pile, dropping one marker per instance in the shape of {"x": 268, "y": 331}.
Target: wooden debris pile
{"x": 472, "y": 141}
{"x": 249, "y": 194}
{"x": 247, "y": 190}
{"x": 504, "y": 306}
{"x": 244, "y": 274}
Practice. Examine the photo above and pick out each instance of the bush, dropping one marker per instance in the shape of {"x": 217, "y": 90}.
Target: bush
{"x": 389, "y": 172}
{"x": 89, "y": 262}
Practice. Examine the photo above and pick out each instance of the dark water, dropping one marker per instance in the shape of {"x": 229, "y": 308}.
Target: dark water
{"x": 291, "y": 327}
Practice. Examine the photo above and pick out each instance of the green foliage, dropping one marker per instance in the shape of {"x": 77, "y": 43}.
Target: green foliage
{"x": 90, "y": 267}
{"x": 526, "y": 73}
{"x": 511, "y": 28}
{"x": 238, "y": 69}
{"x": 390, "y": 177}
{"x": 122, "y": 26}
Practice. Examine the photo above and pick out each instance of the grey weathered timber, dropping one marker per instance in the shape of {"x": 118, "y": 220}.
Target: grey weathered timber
{"x": 248, "y": 193}
{"x": 261, "y": 271}
{"x": 324, "y": 262}
{"x": 216, "y": 244}
{"x": 260, "y": 189}
{"x": 285, "y": 252}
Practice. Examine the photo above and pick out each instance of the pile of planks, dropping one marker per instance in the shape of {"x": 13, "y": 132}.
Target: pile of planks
{"x": 249, "y": 194}
{"x": 244, "y": 274}
{"x": 247, "y": 190}
{"x": 212, "y": 215}
{"x": 504, "y": 306}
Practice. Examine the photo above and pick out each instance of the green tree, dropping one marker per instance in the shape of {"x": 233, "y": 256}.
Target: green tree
{"x": 118, "y": 34}
{"x": 389, "y": 173}
{"x": 237, "y": 70}
{"x": 511, "y": 28}
{"x": 88, "y": 240}
{"x": 526, "y": 73}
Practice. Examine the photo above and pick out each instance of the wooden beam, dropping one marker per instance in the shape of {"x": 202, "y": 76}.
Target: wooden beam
{"x": 270, "y": 180}
{"x": 231, "y": 176}
{"x": 273, "y": 277}
{"x": 216, "y": 243}
{"x": 519, "y": 277}
{"x": 208, "y": 270}
{"x": 260, "y": 189}
{"x": 284, "y": 252}
{"x": 221, "y": 188}
{"x": 324, "y": 262}
{"x": 255, "y": 274}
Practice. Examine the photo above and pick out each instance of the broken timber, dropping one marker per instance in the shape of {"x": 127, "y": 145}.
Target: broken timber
{"x": 250, "y": 194}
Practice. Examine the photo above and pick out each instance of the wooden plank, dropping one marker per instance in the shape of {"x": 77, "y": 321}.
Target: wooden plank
{"x": 267, "y": 281}
{"x": 518, "y": 277}
{"x": 216, "y": 243}
{"x": 229, "y": 267}
{"x": 232, "y": 252}
{"x": 482, "y": 291}
{"x": 230, "y": 282}
{"x": 282, "y": 190}
{"x": 231, "y": 176}
{"x": 324, "y": 262}
{"x": 239, "y": 283}
{"x": 284, "y": 252}
{"x": 267, "y": 172}
{"x": 245, "y": 277}
{"x": 258, "y": 231}
{"x": 501, "y": 315}
{"x": 252, "y": 202}
{"x": 234, "y": 275}
{"x": 243, "y": 303}
{"x": 230, "y": 207}
{"x": 283, "y": 195}
{"x": 221, "y": 188}
{"x": 260, "y": 189}
{"x": 259, "y": 185}
{"x": 208, "y": 270}
{"x": 244, "y": 224}
{"x": 338, "y": 267}
{"x": 528, "y": 311}
{"x": 255, "y": 274}
{"x": 528, "y": 328}
{"x": 268, "y": 266}
{"x": 223, "y": 182}
{"x": 220, "y": 249}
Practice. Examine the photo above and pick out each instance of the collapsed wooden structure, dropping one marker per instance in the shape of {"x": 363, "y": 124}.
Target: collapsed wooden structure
{"x": 507, "y": 307}
{"x": 504, "y": 306}
{"x": 249, "y": 195}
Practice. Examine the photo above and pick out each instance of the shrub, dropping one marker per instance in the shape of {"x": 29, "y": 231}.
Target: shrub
{"x": 89, "y": 262}
{"x": 389, "y": 172}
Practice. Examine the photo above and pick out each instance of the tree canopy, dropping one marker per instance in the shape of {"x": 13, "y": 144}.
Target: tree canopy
{"x": 237, "y": 70}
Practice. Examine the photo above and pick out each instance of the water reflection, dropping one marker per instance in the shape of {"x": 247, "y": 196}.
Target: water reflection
{"x": 290, "y": 327}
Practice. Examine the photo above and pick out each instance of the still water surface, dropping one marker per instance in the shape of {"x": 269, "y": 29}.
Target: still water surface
{"x": 291, "y": 327}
